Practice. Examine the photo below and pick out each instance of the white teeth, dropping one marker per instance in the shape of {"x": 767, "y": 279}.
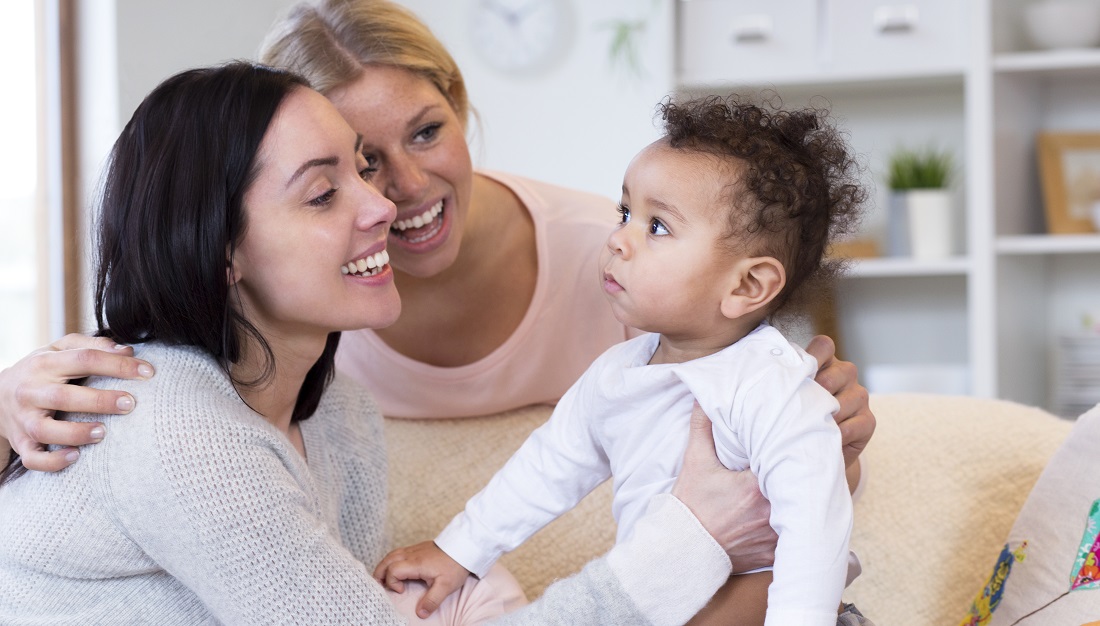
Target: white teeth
{"x": 421, "y": 220}
{"x": 367, "y": 266}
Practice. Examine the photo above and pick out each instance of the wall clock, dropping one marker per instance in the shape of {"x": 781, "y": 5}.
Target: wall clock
{"x": 518, "y": 36}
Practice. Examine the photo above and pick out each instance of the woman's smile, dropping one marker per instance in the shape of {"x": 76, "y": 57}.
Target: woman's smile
{"x": 420, "y": 227}
{"x": 370, "y": 265}
{"x": 425, "y": 231}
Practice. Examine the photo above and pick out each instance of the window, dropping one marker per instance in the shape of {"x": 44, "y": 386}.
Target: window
{"x": 39, "y": 243}
{"x": 22, "y": 227}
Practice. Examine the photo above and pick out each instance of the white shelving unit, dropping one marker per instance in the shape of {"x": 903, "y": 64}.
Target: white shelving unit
{"x": 931, "y": 72}
{"x": 1042, "y": 283}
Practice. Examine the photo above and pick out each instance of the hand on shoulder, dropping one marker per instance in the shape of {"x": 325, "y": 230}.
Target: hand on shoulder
{"x": 37, "y": 386}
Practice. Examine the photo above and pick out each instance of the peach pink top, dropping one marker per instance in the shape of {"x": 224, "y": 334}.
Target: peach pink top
{"x": 567, "y": 326}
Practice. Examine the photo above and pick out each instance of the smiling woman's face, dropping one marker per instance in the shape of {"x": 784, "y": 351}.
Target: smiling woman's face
{"x": 415, "y": 139}
{"x": 311, "y": 218}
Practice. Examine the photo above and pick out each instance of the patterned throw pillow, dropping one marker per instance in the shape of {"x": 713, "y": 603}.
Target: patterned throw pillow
{"x": 1049, "y": 569}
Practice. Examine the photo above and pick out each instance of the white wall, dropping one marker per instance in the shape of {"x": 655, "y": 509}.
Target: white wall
{"x": 579, "y": 121}
{"x": 157, "y": 38}
{"x": 126, "y": 48}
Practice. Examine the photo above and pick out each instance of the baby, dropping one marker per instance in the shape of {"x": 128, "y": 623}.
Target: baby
{"x": 725, "y": 221}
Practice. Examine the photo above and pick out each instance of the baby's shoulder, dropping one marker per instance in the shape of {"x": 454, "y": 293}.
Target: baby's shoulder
{"x": 767, "y": 349}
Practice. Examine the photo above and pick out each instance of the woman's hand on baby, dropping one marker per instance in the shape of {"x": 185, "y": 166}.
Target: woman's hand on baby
{"x": 423, "y": 561}
{"x": 727, "y": 503}
{"x": 38, "y": 385}
{"x": 839, "y": 378}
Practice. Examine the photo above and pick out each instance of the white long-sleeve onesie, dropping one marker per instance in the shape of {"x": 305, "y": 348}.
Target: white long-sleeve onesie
{"x": 629, "y": 420}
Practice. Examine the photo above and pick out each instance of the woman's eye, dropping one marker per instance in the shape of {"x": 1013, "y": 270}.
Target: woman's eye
{"x": 368, "y": 167}
{"x": 625, "y": 213}
{"x": 367, "y": 172}
{"x": 428, "y": 132}
{"x": 657, "y": 228}
{"x": 323, "y": 199}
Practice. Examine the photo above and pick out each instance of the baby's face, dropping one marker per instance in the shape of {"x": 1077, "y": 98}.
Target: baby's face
{"x": 662, "y": 265}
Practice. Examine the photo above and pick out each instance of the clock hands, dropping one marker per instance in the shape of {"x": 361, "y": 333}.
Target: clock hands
{"x": 512, "y": 17}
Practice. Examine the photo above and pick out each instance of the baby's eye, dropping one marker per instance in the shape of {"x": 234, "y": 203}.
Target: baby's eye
{"x": 625, "y": 213}
{"x": 657, "y": 228}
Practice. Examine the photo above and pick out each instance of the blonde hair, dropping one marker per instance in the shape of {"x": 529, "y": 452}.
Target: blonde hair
{"x": 329, "y": 41}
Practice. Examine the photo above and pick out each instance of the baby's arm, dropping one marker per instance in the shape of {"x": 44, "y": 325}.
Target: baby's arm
{"x": 796, "y": 457}
{"x": 423, "y": 561}
{"x": 560, "y": 463}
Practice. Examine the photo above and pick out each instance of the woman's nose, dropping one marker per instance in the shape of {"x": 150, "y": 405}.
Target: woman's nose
{"x": 375, "y": 209}
{"x": 403, "y": 178}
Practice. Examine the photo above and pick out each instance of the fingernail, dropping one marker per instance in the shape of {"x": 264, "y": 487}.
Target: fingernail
{"x": 119, "y": 347}
{"x": 72, "y": 456}
{"x": 145, "y": 370}
{"x": 125, "y": 403}
{"x": 422, "y": 614}
{"x": 97, "y": 433}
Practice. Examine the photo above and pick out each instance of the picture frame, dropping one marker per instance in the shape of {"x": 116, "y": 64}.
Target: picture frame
{"x": 1069, "y": 170}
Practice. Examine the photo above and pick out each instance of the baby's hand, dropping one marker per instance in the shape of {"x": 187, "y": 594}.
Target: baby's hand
{"x": 424, "y": 561}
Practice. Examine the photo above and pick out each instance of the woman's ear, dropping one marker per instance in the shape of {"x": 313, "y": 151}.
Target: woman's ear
{"x": 232, "y": 274}
{"x": 755, "y": 282}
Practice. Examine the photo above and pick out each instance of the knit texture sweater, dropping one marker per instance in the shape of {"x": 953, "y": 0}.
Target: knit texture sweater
{"x": 196, "y": 510}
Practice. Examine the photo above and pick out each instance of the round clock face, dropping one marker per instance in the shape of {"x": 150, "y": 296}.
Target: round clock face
{"x": 519, "y": 35}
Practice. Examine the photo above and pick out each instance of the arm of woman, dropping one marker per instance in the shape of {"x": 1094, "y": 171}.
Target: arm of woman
{"x": 38, "y": 385}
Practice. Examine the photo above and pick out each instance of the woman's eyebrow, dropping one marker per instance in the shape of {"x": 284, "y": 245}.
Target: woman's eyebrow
{"x": 330, "y": 161}
{"x": 415, "y": 120}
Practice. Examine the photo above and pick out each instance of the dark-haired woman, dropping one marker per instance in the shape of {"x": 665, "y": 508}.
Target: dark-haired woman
{"x": 238, "y": 237}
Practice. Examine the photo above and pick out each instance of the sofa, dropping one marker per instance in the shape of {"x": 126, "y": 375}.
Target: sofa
{"x": 946, "y": 478}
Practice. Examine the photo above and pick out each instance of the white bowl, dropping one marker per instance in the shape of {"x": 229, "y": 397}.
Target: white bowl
{"x": 1063, "y": 23}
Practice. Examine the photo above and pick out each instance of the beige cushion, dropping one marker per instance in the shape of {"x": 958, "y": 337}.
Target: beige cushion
{"x": 436, "y": 465}
{"x": 1059, "y": 523}
{"x": 947, "y": 476}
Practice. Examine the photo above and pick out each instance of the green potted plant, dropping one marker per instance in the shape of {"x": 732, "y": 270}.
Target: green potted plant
{"x": 921, "y": 217}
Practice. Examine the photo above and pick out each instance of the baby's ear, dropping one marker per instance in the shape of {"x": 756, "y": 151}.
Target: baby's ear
{"x": 754, "y": 283}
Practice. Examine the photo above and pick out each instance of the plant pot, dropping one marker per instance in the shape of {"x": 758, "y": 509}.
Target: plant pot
{"x": 897, "y": 225}
{"x": 931, "y": 223}
{"x": 921, "y": 224}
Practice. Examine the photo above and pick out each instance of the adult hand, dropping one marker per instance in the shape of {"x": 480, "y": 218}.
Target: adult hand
{"x": 854, "y": 418}
{"x": 727, "y": 503}
{"x": 38, "y": 385}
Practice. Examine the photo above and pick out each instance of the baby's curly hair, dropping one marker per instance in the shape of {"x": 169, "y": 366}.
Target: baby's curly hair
{"x": 795, "y": 187}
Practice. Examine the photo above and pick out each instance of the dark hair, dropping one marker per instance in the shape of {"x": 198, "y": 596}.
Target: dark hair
{"x": 172, "y": 215}
{"x": 796, "y": 186}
